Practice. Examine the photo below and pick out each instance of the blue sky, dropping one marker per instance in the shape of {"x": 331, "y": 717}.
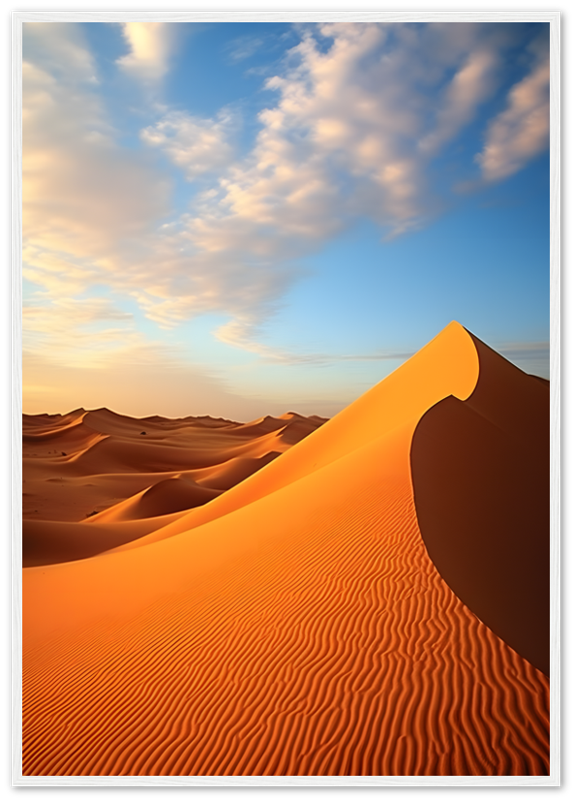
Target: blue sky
{"x": 248, "y": 218}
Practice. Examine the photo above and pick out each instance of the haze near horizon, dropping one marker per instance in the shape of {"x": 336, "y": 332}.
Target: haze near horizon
{"x": 239, "y": 219}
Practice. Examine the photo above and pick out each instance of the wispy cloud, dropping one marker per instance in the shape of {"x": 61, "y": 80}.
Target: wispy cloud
{"x": 470, "y": 86}
{"x": 242, "y": 333}
{"x": 82, "y": 193}
{"x": 531, "y": 357}
{"x": 194, "y": 144}
{"x": 59, "y": 48}
{"x": 150, "y": 48}
{"x": 87, "y": 202}
{"x": 244, "y": 47}
{"x": 520, "y": 132}
{"x": 73, "y": 328}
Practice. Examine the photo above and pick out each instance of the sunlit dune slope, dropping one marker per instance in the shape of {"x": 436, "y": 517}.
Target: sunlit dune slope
{"x": 304, "y": 632}
{"x": 401, "y": 398}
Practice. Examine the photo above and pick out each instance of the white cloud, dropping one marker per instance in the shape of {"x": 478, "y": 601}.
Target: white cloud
{"x": 520, "y": 132}
{"x": 82, "y": 193}
{"x": 343, "y": 138}
{"x": 195, "y": 145}
{"x": 85, "y": 202}
{"x": 150, "y": 48}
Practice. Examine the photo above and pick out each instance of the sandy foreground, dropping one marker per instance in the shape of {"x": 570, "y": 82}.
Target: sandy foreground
{"x": 372, "y": 601}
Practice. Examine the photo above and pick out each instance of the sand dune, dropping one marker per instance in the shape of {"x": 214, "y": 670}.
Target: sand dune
{"x": 165, "y": 497}
{"x": 99, "y": 467}
{"x": 296, "y": 624}
{"x": 482, "y": 491}
{"x": 403, "y": 397}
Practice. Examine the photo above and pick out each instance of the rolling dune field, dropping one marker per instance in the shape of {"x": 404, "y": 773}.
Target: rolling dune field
{"x": 367, "y": 595}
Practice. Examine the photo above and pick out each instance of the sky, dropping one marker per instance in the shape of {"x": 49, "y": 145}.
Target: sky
{"x": 239, "y": 219}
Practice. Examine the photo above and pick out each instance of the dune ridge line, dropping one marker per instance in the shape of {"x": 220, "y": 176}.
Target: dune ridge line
{"x": 295, "y": 625}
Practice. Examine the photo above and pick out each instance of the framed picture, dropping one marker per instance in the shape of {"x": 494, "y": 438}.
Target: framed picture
{"x": 290, "y": 399}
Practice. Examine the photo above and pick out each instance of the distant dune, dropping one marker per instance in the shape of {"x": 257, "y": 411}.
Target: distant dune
{"x": 374, "y": 601}
{"x": 106, "y": 469}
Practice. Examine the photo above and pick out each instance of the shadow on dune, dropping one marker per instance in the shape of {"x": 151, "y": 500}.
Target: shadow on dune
{"x": 296, "y": 624}
{"x": 480, "y": 471}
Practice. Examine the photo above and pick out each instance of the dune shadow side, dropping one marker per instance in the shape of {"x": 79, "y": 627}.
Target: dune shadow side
{"x": 480, "y": 471}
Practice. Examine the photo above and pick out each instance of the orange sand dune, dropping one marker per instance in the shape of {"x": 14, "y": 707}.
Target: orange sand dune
{"x": 402, "y": 397}
{"x": 49, "y": 542}
{"x": 105, "y": 468}
{"x": 224, "y": 476}
{"x": 300, "y": 628}
{"x": 165, "y": 497}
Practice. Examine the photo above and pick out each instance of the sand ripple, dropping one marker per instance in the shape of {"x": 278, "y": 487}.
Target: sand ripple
{"x": 305, "y": 632}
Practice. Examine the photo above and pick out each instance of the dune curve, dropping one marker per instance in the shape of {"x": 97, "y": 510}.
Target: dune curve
{"x": 402, "y": 397}
{"x": 305, "y": 632}
{"x": 101, "y": 469}
{"x": 481, "y": 487}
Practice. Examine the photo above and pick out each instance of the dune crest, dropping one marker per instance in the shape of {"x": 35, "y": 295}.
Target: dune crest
{"x": 482, "y": 493}
{"x": 298, "y": 628}
{"x": 399, "y": 399}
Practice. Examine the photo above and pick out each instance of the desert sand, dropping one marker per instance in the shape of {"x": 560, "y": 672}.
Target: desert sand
{"x": 373, "y": 601}
{"x": 127, "y": 477}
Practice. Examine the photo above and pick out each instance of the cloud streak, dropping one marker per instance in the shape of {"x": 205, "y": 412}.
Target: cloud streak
{"x": 520, "y": 132}
{"x": 240, "y": 333}
{"x": 471, "y": 85}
